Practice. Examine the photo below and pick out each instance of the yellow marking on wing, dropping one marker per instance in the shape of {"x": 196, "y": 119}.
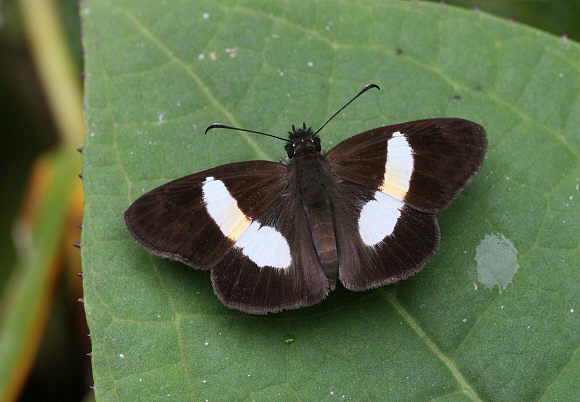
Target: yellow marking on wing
{"x": 399, "y": 167}
{"x": 396, "y": 181}
{"x": 239, "y": 226}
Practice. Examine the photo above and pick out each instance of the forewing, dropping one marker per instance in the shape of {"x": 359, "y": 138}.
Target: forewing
{"x": 197, "y": 218}
{"x": 423, "y": 163}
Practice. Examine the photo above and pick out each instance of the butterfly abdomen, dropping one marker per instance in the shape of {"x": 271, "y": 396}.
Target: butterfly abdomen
{"x": 322, "y": 230}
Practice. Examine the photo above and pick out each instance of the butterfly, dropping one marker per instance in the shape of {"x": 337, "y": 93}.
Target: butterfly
{"x": 279, "y": 235}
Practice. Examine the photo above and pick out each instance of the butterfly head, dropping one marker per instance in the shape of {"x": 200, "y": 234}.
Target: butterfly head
{"x": 301, "y": 139}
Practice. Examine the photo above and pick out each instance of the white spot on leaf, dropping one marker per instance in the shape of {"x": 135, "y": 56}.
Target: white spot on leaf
{"x": 497, "y": 261}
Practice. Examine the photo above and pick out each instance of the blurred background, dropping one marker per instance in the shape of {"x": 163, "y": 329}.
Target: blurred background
{"x": 44, "y": 339}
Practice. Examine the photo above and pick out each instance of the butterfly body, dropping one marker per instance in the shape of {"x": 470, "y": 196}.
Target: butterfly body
{"x": 310, "y": 178}
{"x": 278, "y": 235}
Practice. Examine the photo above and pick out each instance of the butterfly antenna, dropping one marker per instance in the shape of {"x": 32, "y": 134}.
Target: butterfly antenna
{"x": 218, "y": 125}
{"x": 366, "y": 88}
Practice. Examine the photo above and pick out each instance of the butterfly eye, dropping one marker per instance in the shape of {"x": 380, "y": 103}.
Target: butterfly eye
{"x": 316, "y": 141}
{"x": 289, "y": 149}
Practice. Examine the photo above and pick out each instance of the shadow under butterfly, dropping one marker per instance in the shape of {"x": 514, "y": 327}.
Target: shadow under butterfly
{"x": 278, "y": 235}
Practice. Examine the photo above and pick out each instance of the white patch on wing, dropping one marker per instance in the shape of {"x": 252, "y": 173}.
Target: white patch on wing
{"x": 223, "y": 208}
{"x": 399, "y": 167}
{"x": 378, "y": 218}
{"x": 265, "y": 246}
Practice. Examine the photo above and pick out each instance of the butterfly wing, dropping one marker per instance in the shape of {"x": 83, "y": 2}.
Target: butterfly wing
{"x": 196, "y": 219}
{"x": 424, "y": 163}
{"x": 240, "y": 221}
{"x": 393, "y": 180}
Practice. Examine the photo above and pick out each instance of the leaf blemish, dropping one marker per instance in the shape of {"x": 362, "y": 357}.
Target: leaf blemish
{"x": 497, "y": 262}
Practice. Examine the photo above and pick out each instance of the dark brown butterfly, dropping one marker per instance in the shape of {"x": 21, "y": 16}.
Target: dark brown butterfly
{"x": 278, "y": 235}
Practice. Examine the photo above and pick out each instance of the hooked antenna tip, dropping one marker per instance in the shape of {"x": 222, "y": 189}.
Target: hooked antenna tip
{"x": 214, "y": 125}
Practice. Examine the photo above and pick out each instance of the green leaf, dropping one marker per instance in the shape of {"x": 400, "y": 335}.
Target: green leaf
{"x": 159, "y": 73}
